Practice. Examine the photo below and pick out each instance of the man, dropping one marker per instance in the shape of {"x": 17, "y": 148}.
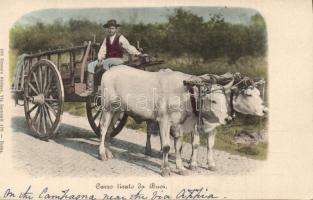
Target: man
{"x": 110, "y": 53}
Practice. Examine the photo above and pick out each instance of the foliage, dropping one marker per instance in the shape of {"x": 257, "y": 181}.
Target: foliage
{"x": 185, "y": 34}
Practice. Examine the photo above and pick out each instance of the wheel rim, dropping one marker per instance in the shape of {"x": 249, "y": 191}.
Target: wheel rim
{"x": 44, "y": 97}
{"x": 94, "y": 114}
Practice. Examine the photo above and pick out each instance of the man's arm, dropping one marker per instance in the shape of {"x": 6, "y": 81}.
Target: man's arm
{"x": 128, "y": 47}
{"x": 103, "y": 50}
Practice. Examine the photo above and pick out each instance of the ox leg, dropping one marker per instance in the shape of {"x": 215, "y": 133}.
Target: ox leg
{"x": 165, "y": 138}
{"x": 151, "y": 129}
{"x": 115, "y": 117}
{"x": 195, "y": 141}
{"x": 161, "y": 145}
{"x": 210, "y": 144}
{"x": 178, "y": 149}
{"x": 148, "y": 142}
{"x": 104, "y": 152}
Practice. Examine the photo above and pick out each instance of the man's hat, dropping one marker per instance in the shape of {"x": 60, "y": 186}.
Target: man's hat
{"x": 111, "y": 22}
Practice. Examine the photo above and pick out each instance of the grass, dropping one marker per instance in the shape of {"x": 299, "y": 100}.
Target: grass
{"x": 225, "y": 135}
{"x": 75, "y": 108}
{"x": 132, "y": 124}
{"x": 225, "y": 141}
{"x": 242, "y": 123}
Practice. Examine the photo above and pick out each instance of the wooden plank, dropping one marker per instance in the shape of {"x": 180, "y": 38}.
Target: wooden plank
{"x": 64, "y": 50}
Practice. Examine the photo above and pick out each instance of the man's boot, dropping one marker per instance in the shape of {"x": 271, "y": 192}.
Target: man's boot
{"x": 90, "y": 85}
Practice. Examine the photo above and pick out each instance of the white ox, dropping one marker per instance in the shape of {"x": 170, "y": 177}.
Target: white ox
{"x": 245, "y": 99}
{"x": 156, "y": 96}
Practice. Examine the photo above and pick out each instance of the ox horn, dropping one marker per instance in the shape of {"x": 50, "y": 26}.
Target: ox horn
{"x": 229, "y": 85}
{"x": 260, "y": 82}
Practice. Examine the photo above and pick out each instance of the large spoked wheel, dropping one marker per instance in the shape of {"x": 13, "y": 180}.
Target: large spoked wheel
{"x": 44, "y": 97}
{"x": 94, "y": 115}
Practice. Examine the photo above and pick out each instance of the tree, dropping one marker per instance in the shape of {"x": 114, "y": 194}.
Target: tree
{"x": 185, "y": 33}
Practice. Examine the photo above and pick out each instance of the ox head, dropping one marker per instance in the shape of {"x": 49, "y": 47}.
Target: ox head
{"x": 248, "y": 98}
{"x": 215, "y": 104}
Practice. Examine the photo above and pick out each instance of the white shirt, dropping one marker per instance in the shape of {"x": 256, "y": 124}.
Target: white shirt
{"x": 123, "y": 43}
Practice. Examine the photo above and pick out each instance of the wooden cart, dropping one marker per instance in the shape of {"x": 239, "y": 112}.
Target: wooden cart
{"x": 48, "y": 79}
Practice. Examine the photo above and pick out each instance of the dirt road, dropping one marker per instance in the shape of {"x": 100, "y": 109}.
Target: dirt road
{"x": 74, "y": 153}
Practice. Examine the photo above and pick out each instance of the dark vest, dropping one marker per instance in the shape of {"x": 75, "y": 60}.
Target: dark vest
{"x": 114, "y": 50}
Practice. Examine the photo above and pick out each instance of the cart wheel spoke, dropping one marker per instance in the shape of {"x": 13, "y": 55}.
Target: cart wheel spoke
{"x": 96, "y": 115}
{"x": 33, "y": 108}
{"x": 53, "y": 111}
{"x": 48, "y": 82}
{"x": 36, "y": 81}
{"x": 44, "y": 79}
{"x": 39, "y": 120}
{"x": 43, "y": 120}
{"x": 40, "y": 78}
{"x": 36, "y": 116}
{"x": 48, "y": 122}
{"x": 49, "y": 116}
{"x": 51, "y": 99}
{"x": 33, "y": 88}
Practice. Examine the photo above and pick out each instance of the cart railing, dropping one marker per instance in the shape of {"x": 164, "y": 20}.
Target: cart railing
{"x": 29, "y": 59}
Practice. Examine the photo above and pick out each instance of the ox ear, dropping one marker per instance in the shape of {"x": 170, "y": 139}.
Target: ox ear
{"x": 228, "y": 86}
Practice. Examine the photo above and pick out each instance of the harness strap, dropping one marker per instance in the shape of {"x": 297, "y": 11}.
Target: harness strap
{"x": 193, "y": 100}
{"x": 232, "y": 110}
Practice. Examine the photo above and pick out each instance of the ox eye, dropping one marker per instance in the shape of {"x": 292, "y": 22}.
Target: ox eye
{"x": 212, "y": 101}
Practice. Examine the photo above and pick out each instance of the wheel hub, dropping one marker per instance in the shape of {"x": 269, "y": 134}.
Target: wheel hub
{"x": 40, "y": 99}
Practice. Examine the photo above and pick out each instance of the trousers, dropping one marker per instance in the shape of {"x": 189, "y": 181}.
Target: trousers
{"x": 105, "y": 64}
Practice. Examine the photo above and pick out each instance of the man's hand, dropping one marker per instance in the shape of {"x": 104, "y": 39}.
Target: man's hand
{"x": 143, "y": 55}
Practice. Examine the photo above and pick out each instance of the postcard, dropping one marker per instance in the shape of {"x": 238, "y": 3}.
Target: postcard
{"x": 149, "y": 100}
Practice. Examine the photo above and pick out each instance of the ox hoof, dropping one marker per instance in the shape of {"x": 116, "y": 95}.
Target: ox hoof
{"x": 166, "y": 172}
{"x": 166, "y": 148}
{"x": 212, "y": 168}
{"x": 183, "y": 172}
{"x": 148, "y": 152}
{"x": 193, "y": 167}
{"x": 106, "y": 155}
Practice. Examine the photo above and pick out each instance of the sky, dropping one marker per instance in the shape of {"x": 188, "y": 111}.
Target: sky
{"x": 134, "y": 15}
